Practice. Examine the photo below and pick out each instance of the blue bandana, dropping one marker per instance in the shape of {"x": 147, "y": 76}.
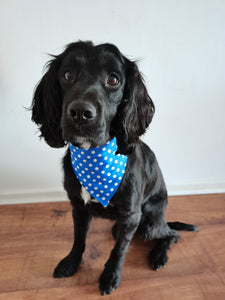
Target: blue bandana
{"x": 99, "y": 170}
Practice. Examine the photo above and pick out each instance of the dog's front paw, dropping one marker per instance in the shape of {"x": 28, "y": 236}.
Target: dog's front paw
{"x": 109, "y": 281}
{"x": 67, "y": 267}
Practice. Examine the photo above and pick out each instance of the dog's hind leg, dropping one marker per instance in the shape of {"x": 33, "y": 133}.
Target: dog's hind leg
{"x": 159, "y": 231}
{"x": 158, "y": 255}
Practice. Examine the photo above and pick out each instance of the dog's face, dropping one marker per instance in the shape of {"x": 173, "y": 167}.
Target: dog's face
{"x": 92, "y": 81}
{"x": 90, "y": 94}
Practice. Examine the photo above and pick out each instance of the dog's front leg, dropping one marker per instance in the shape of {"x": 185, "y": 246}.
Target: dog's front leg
{"x": 69, "y": 265}
{"x": 111, "y": 276}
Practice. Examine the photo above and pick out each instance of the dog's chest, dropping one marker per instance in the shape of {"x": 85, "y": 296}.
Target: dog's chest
{"x": 86, "y": 196}
{"x": 99, "y": 170}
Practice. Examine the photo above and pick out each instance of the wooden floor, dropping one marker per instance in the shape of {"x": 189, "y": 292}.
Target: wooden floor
{"x": 34, "y": 237}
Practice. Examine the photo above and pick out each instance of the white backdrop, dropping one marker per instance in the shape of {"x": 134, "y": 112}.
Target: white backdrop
{"x": 181, "y": 47}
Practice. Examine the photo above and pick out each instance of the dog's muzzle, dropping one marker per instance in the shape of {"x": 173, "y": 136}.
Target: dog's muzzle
{"x": 81, "y": 112}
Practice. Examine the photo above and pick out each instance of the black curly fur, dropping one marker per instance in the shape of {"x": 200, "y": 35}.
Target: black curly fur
{"x": 124, "y": 111}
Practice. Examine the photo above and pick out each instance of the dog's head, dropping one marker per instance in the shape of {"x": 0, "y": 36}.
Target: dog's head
{"x": 90, "y": 94}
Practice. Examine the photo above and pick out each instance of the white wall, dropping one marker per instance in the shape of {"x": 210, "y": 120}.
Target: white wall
{"x": 181, "y": 45}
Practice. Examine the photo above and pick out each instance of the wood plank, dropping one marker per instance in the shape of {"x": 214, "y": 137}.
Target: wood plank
{"x": 34, "y": 237}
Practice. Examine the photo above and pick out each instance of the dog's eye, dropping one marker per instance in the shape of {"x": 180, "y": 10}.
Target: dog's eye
{"x": 112, "y": 80}
{"x": 68, "y": 76}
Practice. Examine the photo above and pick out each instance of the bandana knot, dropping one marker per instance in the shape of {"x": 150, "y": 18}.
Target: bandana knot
{"x": 100, "y": 170}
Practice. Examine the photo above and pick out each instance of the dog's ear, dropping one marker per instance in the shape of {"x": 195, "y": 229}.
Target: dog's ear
{"x": 47, "y": 105}
{"x": 135, "y": 112}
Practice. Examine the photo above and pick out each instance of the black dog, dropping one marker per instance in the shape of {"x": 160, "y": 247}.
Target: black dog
{"x": 89, "y": 95}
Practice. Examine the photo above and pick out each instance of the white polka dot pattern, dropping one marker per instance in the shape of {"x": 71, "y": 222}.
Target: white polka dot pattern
{"x": 99, "y": 170}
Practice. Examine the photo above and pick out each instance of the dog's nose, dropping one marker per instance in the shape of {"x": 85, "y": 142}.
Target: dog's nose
{"x": 82, "y": 112}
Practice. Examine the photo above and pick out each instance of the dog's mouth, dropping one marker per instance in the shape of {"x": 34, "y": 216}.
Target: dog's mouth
{"x": 84, "y": 140}
{"x": 87, "y": 142}
{"x": 81, "y": 142}
{"x": 85, "y": 136}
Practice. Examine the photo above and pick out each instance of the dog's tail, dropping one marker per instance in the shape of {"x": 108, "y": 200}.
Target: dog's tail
{"x": 182, "y": 226}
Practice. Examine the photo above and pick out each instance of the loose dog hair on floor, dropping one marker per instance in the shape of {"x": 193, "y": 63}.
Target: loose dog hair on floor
{"x": 88, "y": 96}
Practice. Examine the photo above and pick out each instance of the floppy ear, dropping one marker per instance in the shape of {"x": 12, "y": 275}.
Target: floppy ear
{"x": 135, "y": 112}
{"x": 47, "y": 106}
